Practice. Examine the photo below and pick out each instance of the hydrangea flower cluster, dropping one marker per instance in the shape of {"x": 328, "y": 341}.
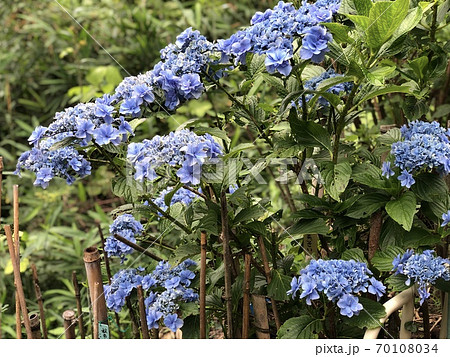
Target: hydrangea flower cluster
{"x": 339, "y": 280}
{"x": 424, "y": 146}
{"x": 176, "y": 77}
{"x": 179, "y": 148}
{"x": 167, "y": 287}
{"x": 272, "y": 33}
{"x": 423, "y": 269}
{"x": 181, "y": 195}
{"x": 54, "y": 152}
{"x": 313, "y": 83}
{"x": 126, "y": 226}
{"x": 122, "y": 283}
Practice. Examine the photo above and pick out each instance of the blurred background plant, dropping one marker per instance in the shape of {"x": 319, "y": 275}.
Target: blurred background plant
{"x": 49, "y": 62}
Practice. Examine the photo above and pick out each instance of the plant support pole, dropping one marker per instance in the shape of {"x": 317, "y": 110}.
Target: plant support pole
{"x": 142, "y": 314}
{"x": 18, "y": 280}
{"x": 91, "y": 259}
{"x": 35, "y": 326}
{"x": 246, "y": 296}
{"x": 227, "y": 263}
{"x": 79, "y": 308}
{"x": 261, "y": 319}
{"x": 137, "y": 247}
{"x": 203, "y": 285}
{"x": 69, "y": 324}
{"x": 38, "y": 292}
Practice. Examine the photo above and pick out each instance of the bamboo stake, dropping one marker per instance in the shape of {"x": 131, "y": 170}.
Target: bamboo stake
{"x": 142, "y": 314}
{"x": 203, "y": 285}
{"x": 35, "y": 326}
{"x": 137, "y": 247}
{"x": 376, "y": 222}
{"x": 18, "y": 280}
{"x": 1, "y": 181}
{"x": 91, "y": 259}
{"x": 18, "y": 319}
{"x": 69, "y": 324}
{"x": 246, "y": 299}
{"x": 134, "y": 322}
{"x": 79, "y": 308}
{"x": 95, "y": 307}
{"x": 227, "y": 263}
{"x": 16, "y": 217}
{"x": 262, "y": 248}
{"x": 37, "y": 290}
{"x": 261, "y": 319}
{"x": 108, "y": 273}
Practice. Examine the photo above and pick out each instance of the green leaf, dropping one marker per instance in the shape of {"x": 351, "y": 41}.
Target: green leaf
{"x": 169, "y": 195}
{"x": 385, "y": 17}
{"x": 212, "y": 131}
{"x": 249, "y": 213}
{"x": 307, "y": 226}
{"x": 403, "y": 209}
{"x": 356, "y": 254}
{"x": 382, "y": 260}
{"x": 420, "y": 237}
{"x": 360, "y": 7}
{"x": 429, "y": 187}
{"x": 303, "y": 327}
{"x": 279, "y": 285}
{"x": 367, "y": 204}
{"x": 126, "y": 188}
{"x": 361, "y": 22}
{"x": 339, "y": 31}
{"x": 390, "y": 137}
{"x": 369, "y": 317}
{"x": 418, "y": 65}
{"x": 385, "y": 90}
{"x": 377, "y": 75}
{"x": 336, "y": 178}
{"x": 136, "y": 122}
{"x": 308, "y": 133}
{"x": 443, "y": 285}
{"x": 414, "y": 108}
{"x": 397, "y": 282}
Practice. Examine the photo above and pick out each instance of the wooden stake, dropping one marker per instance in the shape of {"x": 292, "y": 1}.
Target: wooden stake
{"x": 18, "y": 319}
{"x": 37, "y": 290}
{"x": 142, "y": 314}
{"x": 134, "y": 321}
{"x": 69, "y": 324}
{"x": 246, "y": 297}
{"x": 35, "y": 326}
{"x": 16, "y": 218}
{"x": 108, "y": 273}
{"x": 18, "y": 280}
{"x": 203, "y": 285}
{"x": 79, "y": 308}
{"x": 376, "y": 221}
{"x": 262, "y": 248}
{"x": 261, "y": 319}
{"x": 1, "y": 180}
{"x": 91, "y": 259}
{"x": 227, "y": 263}
{"x": 137, "y": 247}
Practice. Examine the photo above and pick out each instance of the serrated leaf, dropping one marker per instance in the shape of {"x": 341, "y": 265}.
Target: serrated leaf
{"x": 429, "y": 187}
{"x": 390, "y": 137}
{"x": 420, "y": 237}
{"x": 212, "y": 131}
{"x": 339, "y": 31}
{"x": 367, "y": 204}
{"x": 385, "y": 90}
{"x": 369, "y": 317}
{"x": 385, "y": 17}
{"x": 307, "y": 226}
{"x": 303, "y": 327}
{"x": 279, "y": 285}
{"x": 249, "y": 213}
{"x": 360, "y": 7}
{"x": 308, "y": 133}
{"x": 355, "y": 254}
{"x": 403, "y": 209}
{"x": 336, "y": 178}
{"x": 397, "y": 282}
{"x": 382, "y": 260}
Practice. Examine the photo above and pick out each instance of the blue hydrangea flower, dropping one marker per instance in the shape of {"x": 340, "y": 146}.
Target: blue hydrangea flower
{"x": 349, "y": 305}
{"x": 173, "y": 322}
{"x": 424, "y": 147}
{"x": 37, "y": 135}
{"x": 386, "y": 169}
{"x": 340, "y": 280}
{"x": 277, "y": 59}
{"x": 122, "y": 283}
{"x": 106, "y": 134}
{"x": 423, "y": 269}
{"x": 126, "y": 226}
{"x": 445, "y": 219}
{"x": 315, "y": 44}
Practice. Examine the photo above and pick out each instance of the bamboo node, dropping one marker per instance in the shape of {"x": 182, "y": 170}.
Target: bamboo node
{"x": 91, "y": 254}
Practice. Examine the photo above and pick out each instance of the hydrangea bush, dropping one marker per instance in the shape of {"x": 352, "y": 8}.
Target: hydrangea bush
{"x": 304, "y": 84}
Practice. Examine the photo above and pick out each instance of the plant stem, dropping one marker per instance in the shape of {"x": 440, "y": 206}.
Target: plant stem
{"x": 434, "y": 23}
{"x": 37, "y": 290}
{"x": 137, "y": 247}
{"x": 195, "y": 191}
{"x": 242, "y": 106}
{"x": 341, "y": 123}
{"x": 227, "y": 263}
{"x": 142, "y": 314}
{"x": 246, "y": 296}
{"x": 79, "y": 309}
{"x": 169, "y": 217}
{"x": 202, "y": 285}
{"x": 376, "y": 220}
{"x": 110, "y": 159}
